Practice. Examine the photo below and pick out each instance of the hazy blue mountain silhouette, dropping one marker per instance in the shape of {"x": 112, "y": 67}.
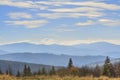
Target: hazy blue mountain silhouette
{"x": 15, "y": 66}
{"x": 3, "y": 52}
{"x": 51, "y": 59}
{"x": 99, "y": 48}
{"x": 101, "y": 63}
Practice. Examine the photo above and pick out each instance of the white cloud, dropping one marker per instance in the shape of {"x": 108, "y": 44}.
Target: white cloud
{"x": 13, "y": 41}
{"x": 101, "y": 21}
{"x": 77, "y": 9}
{"x": 39, "y": 4}
{"x": 49, "y": 41}
{"x": 109, "y": 22}
{"x": 87, "y": 23}
{"x": 27, "y": 23}
{"x": 71, "y": 15}
{"x": 75, "y": 42}
{"x": 19, "y": 15}
{"x": 101, "y": 5}
{"x": 22, "y": 4}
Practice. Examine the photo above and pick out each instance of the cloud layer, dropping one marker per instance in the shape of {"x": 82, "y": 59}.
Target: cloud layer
{"x": 28, "y": 23}
{"x": 94, "y": 11}
{"x": 71, "y": 20}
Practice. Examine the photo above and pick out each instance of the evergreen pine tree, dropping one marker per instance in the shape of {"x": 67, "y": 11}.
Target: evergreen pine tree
{"x": 96, "y": 71}
{"x": 9, "y": 71}
{"x": 52, "y": 71}
{"x": 1, "y": 72}
{"x": 108, "y": 68}
{"x": 39, "y": 72}
{"x": 43, "y": 71}
{"x": 29, "y": 73}
{"x": 18, "y": 74}
{"x": 25, "y": 70}
{"x": 70, "y": 64}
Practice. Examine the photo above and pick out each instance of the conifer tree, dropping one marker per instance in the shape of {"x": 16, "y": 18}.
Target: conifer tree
{"x": 43, "y": 71}
{"x": 9, "y": 71}
{"x": 52, "y": 71}
{"x": 29, "y": 73}
{"x": 39, "y": 72}
{"x": 18, "y": 74}
{"x": 1, "y": 72}
{"x": 70, "y": 64}
{"x": 108, "y": 69}
{"x": 25, "y": 70}
{"x": 96, "y": 71}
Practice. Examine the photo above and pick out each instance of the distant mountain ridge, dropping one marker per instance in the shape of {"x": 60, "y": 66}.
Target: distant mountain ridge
{"x": 15, "y": 66}
{"x": 99, "y": 48}
{"x": 51, "y": 59}
{"x": 3, "y": 52}
{"x": 101, "y": 63}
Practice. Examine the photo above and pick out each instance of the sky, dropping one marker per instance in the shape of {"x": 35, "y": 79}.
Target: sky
{"x": 64, "y": 22}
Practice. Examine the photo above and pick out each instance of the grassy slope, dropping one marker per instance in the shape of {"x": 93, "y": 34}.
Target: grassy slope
{"x": 5, "y": 77}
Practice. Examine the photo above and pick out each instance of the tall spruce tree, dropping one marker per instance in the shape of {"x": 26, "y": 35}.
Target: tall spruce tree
{"x": 39, "y": 72}
{"x": 25, "y": 70}
{"x": 1, "y": 71}
{"x": 7, "y": 72}
{"x": 10, "y": 71}
{"x": 108, "y": 69}
{"x": 43, "y": 71}
{"x": 70, "y": 64}
{"x": 29, "y": 73}
{"x": 52, "y": 71}
{"x": 96, "y": 71}
{"x": 18, "y": 74}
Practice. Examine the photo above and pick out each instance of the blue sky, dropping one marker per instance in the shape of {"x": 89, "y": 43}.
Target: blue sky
{"x": 65, "y": 22}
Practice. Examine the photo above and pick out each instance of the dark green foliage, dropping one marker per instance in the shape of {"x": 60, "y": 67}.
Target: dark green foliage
{"x": 117, "y": 69}
{"x": 85, "y": 71}
{"x": 18, "y": 74}
{"x": 1, "y": 72}
{"x": 39, "y": 72}
{"x": 70, "y": 71}
{"x": 27, "y": 71}
{"x": 96, "y": 71}
{"x": 43, "y": 72}
{"x": 52, "y": 71}
{"x": 35, "y": 73}
{"x": 108, "y": 69}
{"x": 70, "y": 64}
{"x": 63, "y": 72}
{"x": 9, "y": 71}
{"x": 6, "y": 72}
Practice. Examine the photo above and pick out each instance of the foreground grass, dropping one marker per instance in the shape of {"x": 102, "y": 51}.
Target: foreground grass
{"x": 6, "y": 77}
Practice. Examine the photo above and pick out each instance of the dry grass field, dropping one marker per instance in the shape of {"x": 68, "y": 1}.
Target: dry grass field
{"x": 6, "y": 77}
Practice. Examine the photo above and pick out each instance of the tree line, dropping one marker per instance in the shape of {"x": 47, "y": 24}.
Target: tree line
{"x": 108, "y": 69}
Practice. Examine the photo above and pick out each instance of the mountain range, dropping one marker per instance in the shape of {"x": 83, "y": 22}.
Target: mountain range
{"x": 99, "y": 48}
{"x": 15, "y": 66}
{"x": 51, "y": 59}
{"x": 58, "y": 55}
